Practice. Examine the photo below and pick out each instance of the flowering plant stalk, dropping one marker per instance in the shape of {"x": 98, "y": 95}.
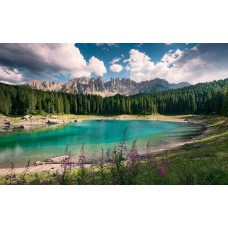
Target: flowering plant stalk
{"x": 132, "y": 164}
{"x": 11, "y": 178}
{"x": 66, "y": 164}
{"x": 81, "y": 176}
{"x": 101, "y": 166}
{"x": 117, "y": 167}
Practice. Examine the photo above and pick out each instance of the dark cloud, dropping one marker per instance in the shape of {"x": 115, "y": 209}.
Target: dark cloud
{"x": 29, "y": 57}
{"x": 211, "y": 53}
{"x": 44, "y": 61}
{"x": 204, "y": 62}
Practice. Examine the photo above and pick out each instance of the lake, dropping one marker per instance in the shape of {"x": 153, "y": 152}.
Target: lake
{"x": 39, "y": 144}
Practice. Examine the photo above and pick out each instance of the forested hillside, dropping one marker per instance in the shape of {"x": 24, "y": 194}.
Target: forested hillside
{"x": 203, "y": 98}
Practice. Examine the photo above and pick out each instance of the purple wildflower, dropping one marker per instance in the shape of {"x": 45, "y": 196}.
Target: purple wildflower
{"x": 82, "y": 159}
{"x": 162, "y": 170}
{"x": 44, "y": 181}
{"x": 133, "y": 155}
{"x": 12, "y": 180}
{"x": 66, "y": 164}
{"x": 114, "y": 180}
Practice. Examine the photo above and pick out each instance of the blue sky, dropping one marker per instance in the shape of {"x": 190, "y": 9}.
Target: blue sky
{"x": 107, "y": 53}
{"x": 194, "y": 63}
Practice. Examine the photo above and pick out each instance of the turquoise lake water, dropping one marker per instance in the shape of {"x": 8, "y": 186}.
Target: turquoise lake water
{"x": 39, "y": 144}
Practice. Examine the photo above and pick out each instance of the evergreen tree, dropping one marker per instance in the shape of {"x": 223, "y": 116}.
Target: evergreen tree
{"x": 66, "y": 104}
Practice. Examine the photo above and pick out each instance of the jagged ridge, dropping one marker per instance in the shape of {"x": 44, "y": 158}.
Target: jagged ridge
{"x": 97, "y": 86}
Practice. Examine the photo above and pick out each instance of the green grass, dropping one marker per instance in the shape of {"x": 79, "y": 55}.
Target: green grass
{"x": 208, "y": 160}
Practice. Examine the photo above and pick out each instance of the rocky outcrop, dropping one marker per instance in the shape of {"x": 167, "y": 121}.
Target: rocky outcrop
{"x": 97, "y": 86}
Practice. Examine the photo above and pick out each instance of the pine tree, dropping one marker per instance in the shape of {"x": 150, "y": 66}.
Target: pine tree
{"x": 61, "y": 105}
{"x": 75, "y": 106}
{"x": 66, "y": 104}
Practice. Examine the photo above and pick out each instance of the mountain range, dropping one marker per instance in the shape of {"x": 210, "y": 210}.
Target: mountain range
{"x": 97, "y": 86}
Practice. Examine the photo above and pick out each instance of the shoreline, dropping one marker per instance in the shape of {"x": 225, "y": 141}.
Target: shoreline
{"x": 11, "y": 124}
{"x": 54, "y": 163}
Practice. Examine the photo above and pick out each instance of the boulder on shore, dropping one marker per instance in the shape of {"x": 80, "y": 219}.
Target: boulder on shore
{"x": 8, "y": 123}
{"x": 26, "y": 117}
{"x": 53, "y": 117}
{"x": 24, "y": 127}
{"x": 53, "y": 122}
{"x": 78, "y": 121}
{"x": 39, "y": 163}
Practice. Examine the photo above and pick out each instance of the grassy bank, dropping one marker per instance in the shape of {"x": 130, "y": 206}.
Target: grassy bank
{"x": 202, "y": 162}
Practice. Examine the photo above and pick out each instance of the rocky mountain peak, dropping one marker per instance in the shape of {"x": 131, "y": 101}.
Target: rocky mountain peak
{"x": 97, "y": 86}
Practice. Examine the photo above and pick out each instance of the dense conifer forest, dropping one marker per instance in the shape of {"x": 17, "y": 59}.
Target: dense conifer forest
{"x": 202, "y": 98}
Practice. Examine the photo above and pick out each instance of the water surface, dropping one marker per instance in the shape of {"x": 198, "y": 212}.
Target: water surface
{"x": 40, "y": 144}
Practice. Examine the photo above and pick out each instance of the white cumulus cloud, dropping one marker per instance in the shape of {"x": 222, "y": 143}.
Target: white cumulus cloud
{"x": 11, "y": 76}
{"x": 108, "y": 44}
{"x": 115, "y": 60}
{"x": 116, "y": 68}
{"x": 97, "y": 66}
{"x": 142, "y": 68}
{"x": 204, "y": 62}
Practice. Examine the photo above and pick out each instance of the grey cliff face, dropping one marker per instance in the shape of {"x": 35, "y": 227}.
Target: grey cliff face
{"x": 97, "y": 86}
